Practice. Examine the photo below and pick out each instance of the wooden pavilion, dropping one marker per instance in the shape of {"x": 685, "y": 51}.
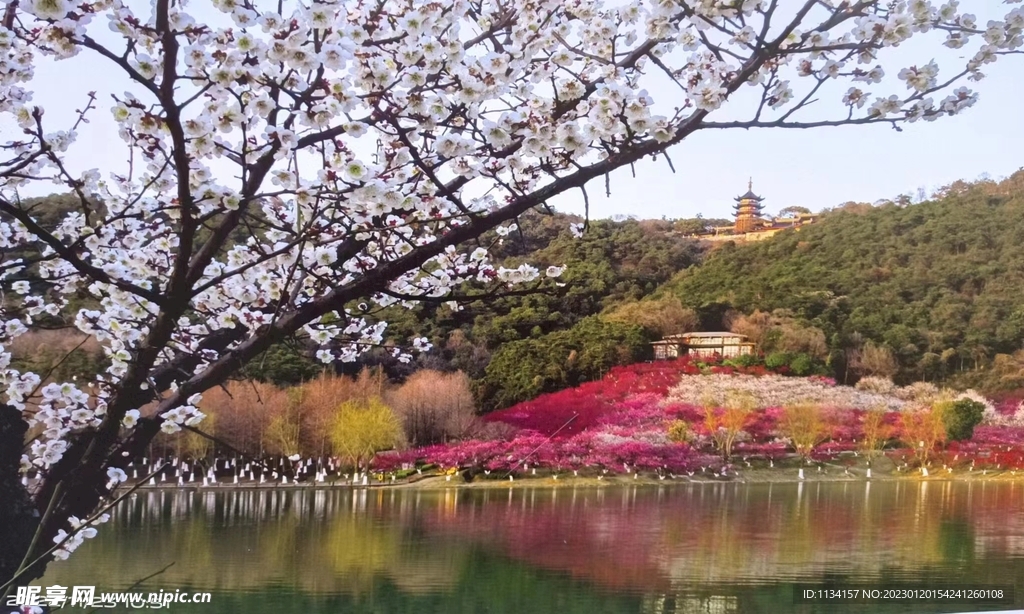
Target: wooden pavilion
{"x": 706, "y": 344}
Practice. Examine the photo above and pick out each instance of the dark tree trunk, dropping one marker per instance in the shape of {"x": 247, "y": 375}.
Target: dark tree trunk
{"x": 18, "y": 517}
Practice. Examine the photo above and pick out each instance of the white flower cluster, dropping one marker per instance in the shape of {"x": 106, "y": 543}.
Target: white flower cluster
{"x": 1015, "y": 419}
{"x": 925, "y": 394}
{"x": 115, "y": 476}
{"x": 777, "y": 391}
{"x": 188, "y": 415}
{"x": 63, "y": 409}
{"x": 521, "y": 274}
{"x": 79, "y": 533}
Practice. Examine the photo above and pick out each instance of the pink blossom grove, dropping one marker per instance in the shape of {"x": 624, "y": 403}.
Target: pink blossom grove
{"x": 621, "y": 425}
{"x": 287, "y": 169}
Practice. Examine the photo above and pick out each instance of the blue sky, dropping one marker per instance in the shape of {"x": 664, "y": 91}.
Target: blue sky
{"x": 811, "y": 168}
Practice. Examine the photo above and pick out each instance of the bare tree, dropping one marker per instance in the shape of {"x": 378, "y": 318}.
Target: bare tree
{"x": 434, "y": 407}
{"x": 243, "y": 413}
{"x": 877, "y": 360}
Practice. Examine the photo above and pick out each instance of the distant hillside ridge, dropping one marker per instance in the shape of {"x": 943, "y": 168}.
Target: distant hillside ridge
{"x": 927, "y": 291}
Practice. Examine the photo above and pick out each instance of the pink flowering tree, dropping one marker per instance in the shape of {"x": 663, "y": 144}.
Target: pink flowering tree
{"x": 289, "y": 168}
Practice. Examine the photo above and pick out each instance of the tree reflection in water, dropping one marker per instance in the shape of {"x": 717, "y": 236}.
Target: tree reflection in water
{"x": 679, "y": 548}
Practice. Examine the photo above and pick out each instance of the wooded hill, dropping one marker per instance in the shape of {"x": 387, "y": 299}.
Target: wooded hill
{"x": 930, "y": 291}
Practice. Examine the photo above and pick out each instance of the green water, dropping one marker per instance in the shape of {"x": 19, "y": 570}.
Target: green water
{"x": 681, "y": 548}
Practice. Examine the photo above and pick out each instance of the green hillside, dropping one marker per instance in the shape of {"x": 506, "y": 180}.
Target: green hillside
{"x": 938, "y": 286}
{"x": 517, "y": 347}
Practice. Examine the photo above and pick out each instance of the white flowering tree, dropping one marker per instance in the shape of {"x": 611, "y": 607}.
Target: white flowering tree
{"x": 292, "y": 166}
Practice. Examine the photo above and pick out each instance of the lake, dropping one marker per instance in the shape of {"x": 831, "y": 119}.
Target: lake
{"x": 647, "y": 549}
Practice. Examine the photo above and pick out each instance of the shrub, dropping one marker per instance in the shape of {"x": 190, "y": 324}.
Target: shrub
{"x": 679, "y": 432}
{"x": 801, "y": 364}
{"x": 777, "y": 391}
{"x": 493, "y": 431}
{"x": 923, "y": 393}
{"x": 960, "y": 417}
{"x": 743, "y": 362}
{"x": 776, "y": 360}
{"x": 991, "y": 414}
{"x": 876, "y": 385}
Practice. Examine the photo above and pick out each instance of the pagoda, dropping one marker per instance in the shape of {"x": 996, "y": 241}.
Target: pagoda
{"x": 748, "y": 210}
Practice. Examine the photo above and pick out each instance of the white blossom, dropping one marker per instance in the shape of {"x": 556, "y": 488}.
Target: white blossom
{"x": 169, "y": 428}
{"x": 116, "y": 476}
{"x": 49, "y": 9}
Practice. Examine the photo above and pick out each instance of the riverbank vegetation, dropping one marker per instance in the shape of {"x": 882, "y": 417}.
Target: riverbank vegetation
{"x": 675, "y": 418}
{"x": 708, "y": 418}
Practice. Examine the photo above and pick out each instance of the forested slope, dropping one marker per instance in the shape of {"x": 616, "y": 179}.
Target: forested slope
{"x": 939, "y": 285}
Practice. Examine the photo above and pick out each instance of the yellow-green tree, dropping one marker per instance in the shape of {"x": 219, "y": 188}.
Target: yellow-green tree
{"x": 805, "y": 425}
{"x": 726, "y": 424}
{"x": 679, "y": 432}
{"x": 316, "y": 402}
{"x": 283, "y": 432}
{"x": 923, "y": 429}
{"x": 662, "y": 316}
{"x": 875, "y": 431}
{"x": 361, "y": 428}
{"x": 193, "y": 445}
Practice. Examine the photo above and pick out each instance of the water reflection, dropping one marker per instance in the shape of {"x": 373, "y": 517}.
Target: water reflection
{"x": 711, "y": 547}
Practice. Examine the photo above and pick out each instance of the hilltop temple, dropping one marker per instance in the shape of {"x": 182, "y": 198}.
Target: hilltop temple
{"x": 751, "y": 225}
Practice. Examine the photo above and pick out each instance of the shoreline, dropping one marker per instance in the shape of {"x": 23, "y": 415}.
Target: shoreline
{"x": 750, "y": 476}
